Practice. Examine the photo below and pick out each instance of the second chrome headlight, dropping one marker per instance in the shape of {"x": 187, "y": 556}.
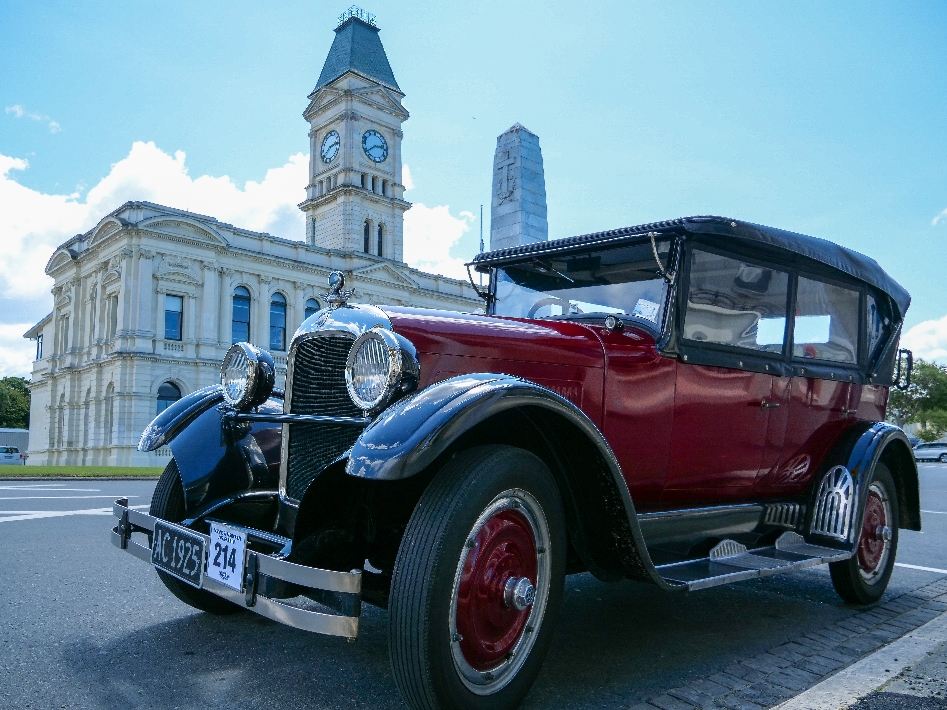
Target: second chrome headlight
{"x": 247, "y": 376}
{"x": 380, "y": 366}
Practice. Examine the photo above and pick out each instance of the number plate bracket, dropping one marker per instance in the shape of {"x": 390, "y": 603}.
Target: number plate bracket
{"x": 250, "y": 579}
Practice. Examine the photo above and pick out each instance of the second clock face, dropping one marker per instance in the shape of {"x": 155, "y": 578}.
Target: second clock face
{"x": 330, "y": 147}
{"x": 374, "y": 145}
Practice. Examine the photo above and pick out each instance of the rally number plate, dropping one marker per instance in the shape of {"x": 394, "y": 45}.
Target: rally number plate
{"x": 227, "y": 555}
{"x": 178, "y": 552}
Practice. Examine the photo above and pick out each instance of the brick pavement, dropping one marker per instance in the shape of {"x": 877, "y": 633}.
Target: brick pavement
{"x": 769, "y": 678}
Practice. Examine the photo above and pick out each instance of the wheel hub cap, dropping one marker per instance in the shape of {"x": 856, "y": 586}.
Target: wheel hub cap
{"x": 875, "y": 534}
{"x": 496, "y": 589}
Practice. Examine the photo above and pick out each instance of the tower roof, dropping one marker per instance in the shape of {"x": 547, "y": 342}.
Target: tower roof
{"x": 358, "y": 48}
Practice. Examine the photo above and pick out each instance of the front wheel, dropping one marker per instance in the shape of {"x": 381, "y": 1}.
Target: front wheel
{"x": 167, "y": 503}
{"x": 863, "y": 578}
{"x": 478, "y": 582}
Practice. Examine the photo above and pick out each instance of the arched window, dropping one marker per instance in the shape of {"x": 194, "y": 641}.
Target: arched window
{"x": 168, "y": 394}
{"x": 278, "y": 322}
{"x": 312, "y": 307}
{"x": 368, "y": 237}
{"x": 241, "y": 315}
{"x": 381, "y": 237}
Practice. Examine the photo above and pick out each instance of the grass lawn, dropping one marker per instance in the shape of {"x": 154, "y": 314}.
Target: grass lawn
{"x": 78, "y": 471}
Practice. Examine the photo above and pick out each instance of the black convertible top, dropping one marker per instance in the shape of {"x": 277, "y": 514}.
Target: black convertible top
{"x": 825, "y": 252}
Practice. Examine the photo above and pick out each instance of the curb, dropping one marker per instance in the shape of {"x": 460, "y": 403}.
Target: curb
{"x": 847, "y": 686}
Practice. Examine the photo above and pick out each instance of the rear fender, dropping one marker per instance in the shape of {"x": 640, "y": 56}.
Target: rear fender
{"x": 410, "y": 436}
{"x": 860, "y": 449}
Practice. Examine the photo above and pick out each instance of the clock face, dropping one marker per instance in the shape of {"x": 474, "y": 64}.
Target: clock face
{"x": 374, "y": 145}
{"x": 330, "y": 147}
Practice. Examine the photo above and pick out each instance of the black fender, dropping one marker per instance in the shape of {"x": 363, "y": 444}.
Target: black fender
{"x": 409, "y": 436}
{"x": 216, "y": 457}
{"x": 860, "y": 448}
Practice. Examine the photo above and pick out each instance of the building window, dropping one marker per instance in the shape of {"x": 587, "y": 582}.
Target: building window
{"x": 64, "y": 333}
{"x": 92, "y": 318}
{"x": 241, "y": 315}
{"x": 168, "y": 394}
{"x": 39, "y": 346}
{"x": 368, "y": 235}
{"x": 312, "y": 307}
{"x": 374, "y": 184}
{"x": 363, "y": 180}
{"x": 109, "y": 412}
{"x": 381, "y": 237}
{"x": 111, "y": 308}
{"x": 278, "y": 322}
{"x": 173, "y": 317}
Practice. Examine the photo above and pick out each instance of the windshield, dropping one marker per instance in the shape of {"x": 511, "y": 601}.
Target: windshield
{"x": 622, "y": 281}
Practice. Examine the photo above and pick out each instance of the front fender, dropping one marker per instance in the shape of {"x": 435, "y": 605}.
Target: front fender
{"x": 176, "y": 417}
{"x": 409, "y": 436}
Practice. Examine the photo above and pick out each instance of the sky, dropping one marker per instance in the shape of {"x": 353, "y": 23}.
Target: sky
{"x": 827, "y": 119}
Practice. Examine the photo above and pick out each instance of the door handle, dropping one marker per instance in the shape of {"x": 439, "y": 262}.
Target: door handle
{"x": 846, "y": 411}
{"x": 768, "y": 405}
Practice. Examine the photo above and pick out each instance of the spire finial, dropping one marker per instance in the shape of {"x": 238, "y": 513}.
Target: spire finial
{"x": 358, "y": 13}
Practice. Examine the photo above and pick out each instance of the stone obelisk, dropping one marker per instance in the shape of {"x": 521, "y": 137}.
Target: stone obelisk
{"x": 518, "y": 206}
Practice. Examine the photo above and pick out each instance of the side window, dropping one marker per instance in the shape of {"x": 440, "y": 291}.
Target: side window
{"x": 826, "y": 323}
{"x": 278, "y": 322}
{"x": 240, "y": 330}
{"x": 736, "y": 303}
{"x": 173, "y": 310}
{"x": 876, "y": 325}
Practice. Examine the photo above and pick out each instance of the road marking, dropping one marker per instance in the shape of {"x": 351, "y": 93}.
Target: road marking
{"x": 56, "y": 497}
{"x": 33, "y": 515}
{"x": 935, "y": 512}
{"x": 923, "y": 569}
{"x": 51, "y": 489}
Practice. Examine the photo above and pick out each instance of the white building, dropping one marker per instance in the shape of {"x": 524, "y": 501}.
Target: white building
{"x": 147, "y": 302}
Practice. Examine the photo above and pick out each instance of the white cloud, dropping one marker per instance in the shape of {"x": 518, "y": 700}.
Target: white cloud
{"x": 16, "y": 353}
{"x": 928, "y": 340}
{"x": 19, "y": 112}
{"x": 429, "y": 234}
{"x": 939, "y": 218}
{"x": 408, "y": 182}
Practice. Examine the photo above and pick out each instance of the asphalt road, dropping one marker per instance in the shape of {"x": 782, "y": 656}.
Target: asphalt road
{"x": 85, "y": 625}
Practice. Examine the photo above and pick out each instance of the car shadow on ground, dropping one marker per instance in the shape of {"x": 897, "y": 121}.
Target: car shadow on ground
{"x": 616, "y": 644}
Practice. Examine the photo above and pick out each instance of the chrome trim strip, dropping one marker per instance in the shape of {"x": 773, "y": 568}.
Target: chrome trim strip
{"x": 329, "y": 580}
{"x": 302, "y": 419}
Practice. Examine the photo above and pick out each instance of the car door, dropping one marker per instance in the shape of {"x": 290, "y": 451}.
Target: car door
{"x": 822, "y": 401}
{"x": 734, "y": 314}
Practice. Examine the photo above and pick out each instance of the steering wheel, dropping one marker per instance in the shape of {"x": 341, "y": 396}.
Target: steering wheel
{"x": 551, "y": 301}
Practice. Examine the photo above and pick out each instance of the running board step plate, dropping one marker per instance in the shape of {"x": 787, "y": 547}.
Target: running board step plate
{"x": 731, "y": 562}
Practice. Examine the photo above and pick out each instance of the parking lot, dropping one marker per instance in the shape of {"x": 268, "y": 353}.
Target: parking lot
{"x": 84, "y": 625}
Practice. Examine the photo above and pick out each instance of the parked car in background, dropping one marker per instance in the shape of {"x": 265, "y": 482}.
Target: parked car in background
{"x": 933, "y": 451}
{"x": 686, "y": 403}
{"x": 11, "y": 454}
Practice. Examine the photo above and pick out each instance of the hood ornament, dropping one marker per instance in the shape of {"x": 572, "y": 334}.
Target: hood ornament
{"x": 337, "y": 297}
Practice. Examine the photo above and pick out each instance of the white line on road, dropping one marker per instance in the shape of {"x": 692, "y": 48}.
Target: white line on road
{"x": 56, "y": 497}
{"x": 33, "y": 515}
{"x": 936, "y": 512}
{"x": 923, "y": 569}
{"x": 48, "y": 489}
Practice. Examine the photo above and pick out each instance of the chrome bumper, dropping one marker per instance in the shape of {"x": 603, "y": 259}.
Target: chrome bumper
{"x": 259, "y": 567}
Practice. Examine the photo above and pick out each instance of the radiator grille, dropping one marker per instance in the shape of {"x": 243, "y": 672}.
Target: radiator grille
{"x": 318, "y": 387}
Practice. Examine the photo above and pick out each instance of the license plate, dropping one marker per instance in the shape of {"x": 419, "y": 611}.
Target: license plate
{"x": 178, "y": 552}
{"x": 227, "y": 555}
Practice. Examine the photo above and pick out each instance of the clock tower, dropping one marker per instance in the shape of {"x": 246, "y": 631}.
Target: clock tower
{"x": 354, "y": 200}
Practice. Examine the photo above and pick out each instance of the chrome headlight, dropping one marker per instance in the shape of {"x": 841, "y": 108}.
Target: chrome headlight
{"x": 247, "y": 376}
{"x": 380, "y": 366}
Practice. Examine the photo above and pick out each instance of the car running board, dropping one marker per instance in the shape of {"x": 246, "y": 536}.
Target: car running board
{"x": 730, "y": 562}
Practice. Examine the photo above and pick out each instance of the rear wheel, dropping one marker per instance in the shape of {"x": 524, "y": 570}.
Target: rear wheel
{"x": 167, "y": 503}
{"x": 863, "y": 578}
{"x": 943, "y": 458}
{"x": 478, "y": 582}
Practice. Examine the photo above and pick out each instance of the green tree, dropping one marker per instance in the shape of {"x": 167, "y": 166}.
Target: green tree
{"x": 923, "y": 403}
{"x": 14, "y": 403}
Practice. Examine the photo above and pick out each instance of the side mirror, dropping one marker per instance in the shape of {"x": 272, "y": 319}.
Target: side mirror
{"x": 902, "y": 376}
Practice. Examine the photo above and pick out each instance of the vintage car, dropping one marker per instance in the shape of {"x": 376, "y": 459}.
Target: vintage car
{"x": 687, "y": 403}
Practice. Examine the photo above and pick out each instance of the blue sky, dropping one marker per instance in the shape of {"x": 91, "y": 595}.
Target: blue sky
{"x": 829, "y": 119}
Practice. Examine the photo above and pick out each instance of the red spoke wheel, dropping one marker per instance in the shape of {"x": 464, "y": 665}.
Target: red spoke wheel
{"x": 478, "y": 582}
{"x": 864, "y": 577}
